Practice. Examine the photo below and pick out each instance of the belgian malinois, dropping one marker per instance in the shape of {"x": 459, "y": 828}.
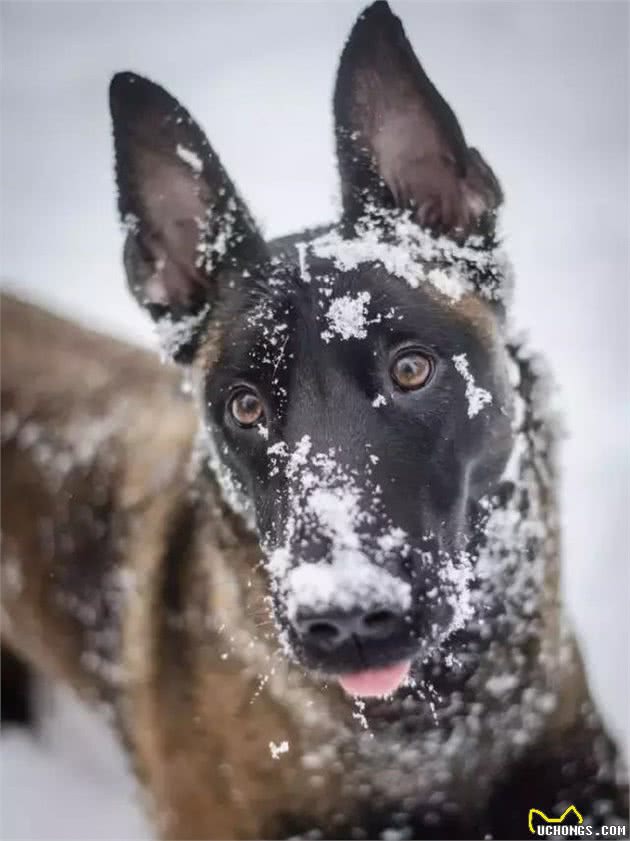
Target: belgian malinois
{"x": 318, "y": 586}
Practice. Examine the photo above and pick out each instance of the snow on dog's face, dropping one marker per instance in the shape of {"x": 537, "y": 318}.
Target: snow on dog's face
{"x": 354, "y": 394}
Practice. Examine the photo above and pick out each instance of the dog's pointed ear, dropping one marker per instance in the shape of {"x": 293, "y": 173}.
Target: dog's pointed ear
{"x": 187, "y": 226}
{"x": 399, "y": 143}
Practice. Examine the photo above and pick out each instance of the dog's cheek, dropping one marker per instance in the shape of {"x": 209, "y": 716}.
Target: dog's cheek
{"x": 215, "y": 454}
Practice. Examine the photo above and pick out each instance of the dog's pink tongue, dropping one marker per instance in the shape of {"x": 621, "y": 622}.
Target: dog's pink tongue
{"x": 373, "y": 683}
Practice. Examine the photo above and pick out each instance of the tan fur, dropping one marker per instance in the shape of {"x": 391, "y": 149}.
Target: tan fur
{"x": 197, "y": 727}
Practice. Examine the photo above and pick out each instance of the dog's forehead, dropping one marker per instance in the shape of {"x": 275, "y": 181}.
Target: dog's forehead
{"x": 343, "y": 296}
{"x": 348, "y": 302}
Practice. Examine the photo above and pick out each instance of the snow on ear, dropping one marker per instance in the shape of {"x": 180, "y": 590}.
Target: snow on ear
{"x": 186, "y": 224}
{"x": 399, "y": 144}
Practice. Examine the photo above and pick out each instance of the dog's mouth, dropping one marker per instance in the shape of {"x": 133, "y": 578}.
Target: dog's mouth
{"x": 375, "y": 683}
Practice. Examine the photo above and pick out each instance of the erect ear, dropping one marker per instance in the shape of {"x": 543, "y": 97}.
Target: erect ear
{"x": 398, "y": 142}
{"x": 187, "y": 226}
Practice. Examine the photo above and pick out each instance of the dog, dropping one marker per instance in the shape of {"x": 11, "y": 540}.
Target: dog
{"x": 314, "y": 582}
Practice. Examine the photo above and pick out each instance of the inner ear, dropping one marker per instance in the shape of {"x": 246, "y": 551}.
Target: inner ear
{"x": 188, "y": 228}
{"x": 399, "y": 144}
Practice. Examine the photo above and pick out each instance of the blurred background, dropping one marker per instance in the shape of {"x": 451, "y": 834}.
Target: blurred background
{"x": 540, "y": 87}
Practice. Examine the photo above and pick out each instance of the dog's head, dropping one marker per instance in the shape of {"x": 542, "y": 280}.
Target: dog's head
{"x": 354, "y": 389}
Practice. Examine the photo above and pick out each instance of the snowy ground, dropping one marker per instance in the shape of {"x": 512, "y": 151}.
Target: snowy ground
{"x": 541, "y": 88}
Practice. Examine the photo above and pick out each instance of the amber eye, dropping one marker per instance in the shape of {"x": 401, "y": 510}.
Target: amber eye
{"x": 246, "y": 408}
{"x": 411, "y": 370}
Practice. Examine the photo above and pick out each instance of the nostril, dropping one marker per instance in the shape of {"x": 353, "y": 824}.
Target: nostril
{"x": 379, "y": 623}
{"x": 377, "y": 617}
{"x": 324, "y": 631}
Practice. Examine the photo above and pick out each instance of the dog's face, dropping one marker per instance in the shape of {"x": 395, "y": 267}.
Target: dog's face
{"x": 354, "y": 389}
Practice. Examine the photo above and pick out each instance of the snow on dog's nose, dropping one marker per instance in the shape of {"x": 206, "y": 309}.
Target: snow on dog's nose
{"x": 348, "y": 584}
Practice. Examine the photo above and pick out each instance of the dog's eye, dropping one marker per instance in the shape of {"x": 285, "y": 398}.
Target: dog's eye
{"x": 246, "y": 408}
{"x": 411, "y": 370}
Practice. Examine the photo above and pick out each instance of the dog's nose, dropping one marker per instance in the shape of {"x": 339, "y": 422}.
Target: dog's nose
{"x": 324, "y": 632}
